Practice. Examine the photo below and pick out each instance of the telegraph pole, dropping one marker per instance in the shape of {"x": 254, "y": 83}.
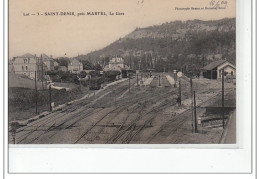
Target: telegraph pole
{"x": 191, "y": 93}
{"x": 50, "y": 97}
{"x": 36, "y": 95}
{"x": 42, "y": 70}
{"x": 223, "y": 108}
{"x": 175, "y": 78}
{"x": 195, "y": 114}
{"x": 129, "y": 82}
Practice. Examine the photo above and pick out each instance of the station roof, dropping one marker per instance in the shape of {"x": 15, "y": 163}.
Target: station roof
{"x": 214, "y": 64}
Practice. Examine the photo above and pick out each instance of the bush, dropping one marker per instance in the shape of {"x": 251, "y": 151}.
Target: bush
{"x": 94, "y": 74}
{"x": 83, "y": 74}
{"x": 25, "y": 98}
{"x": 61, "y": 76}
{"x": 85, "y": 82}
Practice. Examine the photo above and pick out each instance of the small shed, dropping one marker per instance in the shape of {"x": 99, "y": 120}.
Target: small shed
{"x": 213, "y": 70}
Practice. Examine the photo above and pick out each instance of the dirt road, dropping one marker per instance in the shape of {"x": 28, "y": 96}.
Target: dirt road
{"x": 146, "y": 114}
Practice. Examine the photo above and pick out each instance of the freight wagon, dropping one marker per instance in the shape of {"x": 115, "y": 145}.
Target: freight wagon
{"x": 95, "y": 83}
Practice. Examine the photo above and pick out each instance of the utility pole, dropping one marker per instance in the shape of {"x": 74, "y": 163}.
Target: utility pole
{"x": 180, "y": 91}
{"x": 175, "y": 78}
{"x": 159, "y": 81}
{"x": 50, "y": 97}
{"x": 195, "y": 114}
{"x": 191, "y": 93}
{"x": 36, "y": 95}
{"x": 223, "y": 108}
{"x": 129, "y": 82}
{"x": 42, "y": 70}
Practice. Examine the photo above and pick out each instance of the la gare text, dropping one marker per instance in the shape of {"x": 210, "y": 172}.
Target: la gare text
{"x": 99, "y": 13}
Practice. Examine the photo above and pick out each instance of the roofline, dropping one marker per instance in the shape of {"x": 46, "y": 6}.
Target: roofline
{"x": 219, "y": 65}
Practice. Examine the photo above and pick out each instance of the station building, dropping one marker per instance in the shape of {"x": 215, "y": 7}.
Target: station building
{"x": 214, "y": 69}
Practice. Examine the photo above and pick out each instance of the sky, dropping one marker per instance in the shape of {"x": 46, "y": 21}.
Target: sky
{"x": 75, "y": 35}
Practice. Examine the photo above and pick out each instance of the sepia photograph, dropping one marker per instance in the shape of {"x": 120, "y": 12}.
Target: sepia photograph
{"x": 122, "y": 72}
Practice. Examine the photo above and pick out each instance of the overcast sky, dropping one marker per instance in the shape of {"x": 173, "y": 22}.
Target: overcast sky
{"x": 73, "y": 35}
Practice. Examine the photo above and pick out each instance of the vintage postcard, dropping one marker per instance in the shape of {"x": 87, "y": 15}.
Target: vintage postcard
{"x": 122, "y": 72}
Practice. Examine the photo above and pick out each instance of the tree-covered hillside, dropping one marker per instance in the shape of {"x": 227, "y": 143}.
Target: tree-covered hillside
{"x": 174, "y": 45}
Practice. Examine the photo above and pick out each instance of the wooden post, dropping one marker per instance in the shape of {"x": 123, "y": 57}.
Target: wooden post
{"x": 223, "y": 108}
{"x": 191, "y": 93}
{"x": 36, "y": 95}
{"x": 195, "y": 114}
{"x": 159, "y": 81}
{"x": 50, "y": 97}
{"x": 175, "y": 79}
{"x": 129, "y": 83}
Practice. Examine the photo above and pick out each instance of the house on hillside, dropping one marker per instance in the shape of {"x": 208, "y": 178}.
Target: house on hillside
{"x": 27, "y": 65}
{"x": 75, "y": 66}
{"x": 49, "y": 62}
{"x": 213, "y": 70}
{"x": 55, "y": 64}
{"x": 10, "y": 66}
{"x": 117, "y": 64}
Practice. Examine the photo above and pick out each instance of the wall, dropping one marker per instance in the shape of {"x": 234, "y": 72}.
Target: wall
{"x": 228, "y": 67}
{"x": 27, "y": 67}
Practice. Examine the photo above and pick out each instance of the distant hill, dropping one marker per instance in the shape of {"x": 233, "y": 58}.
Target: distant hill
{"x": 172, "y": 45}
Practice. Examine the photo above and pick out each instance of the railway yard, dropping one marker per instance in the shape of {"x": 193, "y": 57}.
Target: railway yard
{"x": 147, "y": 114}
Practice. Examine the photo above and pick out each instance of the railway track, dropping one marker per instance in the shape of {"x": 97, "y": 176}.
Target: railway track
{"x": 154, "y": 112}
{"x": 50, "y": 118}
{"x": 72, "y": 115}
{"x": 119, "y": 109}
{"x": 178, "y": 121}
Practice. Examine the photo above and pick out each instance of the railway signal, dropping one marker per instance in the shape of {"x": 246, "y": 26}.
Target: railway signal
{"x": 179, "y": 74}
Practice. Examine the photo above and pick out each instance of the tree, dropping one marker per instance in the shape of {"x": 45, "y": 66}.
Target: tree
{"x": 97, "y": 67}
{"x": 63, "y": 61}
{"x": 83, "y": 74}
{"x": 87, "y": 65}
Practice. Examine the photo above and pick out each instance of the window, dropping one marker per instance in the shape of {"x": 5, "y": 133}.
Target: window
{"x": 26, "y": 67}
{"x": 231, "y": 73}
{"x": 22, "y": 67}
